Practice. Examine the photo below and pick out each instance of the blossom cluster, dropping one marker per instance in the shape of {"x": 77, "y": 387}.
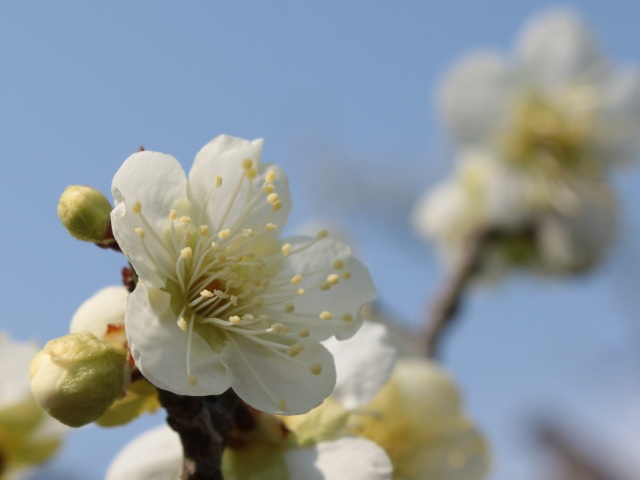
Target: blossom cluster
{"x": 536, "y": 137}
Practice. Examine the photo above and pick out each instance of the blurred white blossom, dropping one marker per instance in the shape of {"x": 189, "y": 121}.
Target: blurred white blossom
{"x": 222, "y": 301}
{"x": 28, "y": 436}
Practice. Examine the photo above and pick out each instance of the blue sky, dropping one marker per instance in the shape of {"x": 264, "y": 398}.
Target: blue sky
{"x": 343, "y": 93}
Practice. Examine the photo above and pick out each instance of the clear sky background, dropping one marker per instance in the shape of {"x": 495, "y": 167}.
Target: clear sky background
{"x": 343, "y": 93}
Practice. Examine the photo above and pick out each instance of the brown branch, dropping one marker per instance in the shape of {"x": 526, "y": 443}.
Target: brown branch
{"x": 447, "y": 304}
{"x": 577, "y": 464}
{"x": 203, "y": 424}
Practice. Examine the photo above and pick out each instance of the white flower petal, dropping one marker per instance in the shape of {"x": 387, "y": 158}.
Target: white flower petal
{"x": 159, "y": 347}
{"x": 230, "y": 207}
{"x": 347, "y": 458}
{"x": 264, "y": 380}
{"x": 154, "y": 455}
{"x": 106, "y": 307}
{"x": 474, "y": 96}
{"x": 316, "y": 262}
{"x": 363, "y": 364}
{"x": 557, "y": 48}
{"x": 158, "y": 182}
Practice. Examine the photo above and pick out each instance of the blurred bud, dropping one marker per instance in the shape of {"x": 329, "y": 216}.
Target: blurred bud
{"x": 77, "y": 377}
{"x": 85, "y": 213}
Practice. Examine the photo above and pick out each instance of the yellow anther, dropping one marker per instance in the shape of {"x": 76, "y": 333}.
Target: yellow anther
{"x": 271, "y": 227}
{"x": 333, "y": 279}
{"x": 347, "y": 317}
{"x": 276, "y": 206}
{"x": 235, "y": 319}
{"x": 248, "y": 317}
{"x": 224, "y": 233}
{"x": 325, "y": 286}
{"x": 206, "y": 293}
{"x": 140, "y": 232}
{"x": 346, "y": 274}
{"x": 322, "y": 234}
{"x": 326, "y": 315}
{"x": 186, "y": 253}
{"x": 315, "y": 368}
{"x": 248, "y": 232}
{"x": 214, "y": 246}
{"x": 295, "y": 349}
{"x": 338, "y": 264}
{"x": 277, "y": 327}
{"x": 182, "y": 323}
{"x": 296, "y": 279}
{"x": 286, "y": 249}
{"x": 203, "y": 230}
{"x": 289, "y": 307}
{"x": 304, "y": 332}
{"x": 247, "y": 163}
{"x": 271, "y": 176}
{"x": 301, "y": 291}
{"x": 282, "y": 405}
{"x": 251, "y": 173}
{"x": 187, "y": 234}
{"x": 185, "y": 220}
{"x": 220, "y": 294}
{"x": 192, "y": 380}
{"x": 233, "y": 300}
{"x": 136, "y": 208}
{"x": 268, "y": 189}
{"x": 273, "y": 198}
{"x": 218, "y": 181}
{"x": 173, "y": 215}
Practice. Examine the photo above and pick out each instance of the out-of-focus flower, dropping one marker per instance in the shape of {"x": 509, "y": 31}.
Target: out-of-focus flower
{"x": 77, "y": 377}
{"x": 538, "y": 135}
{"x": 28, "y": 436}
{"x": 103, "y": 316}
{"x": 557, "y": 108}
{"x": 222, "y": 301}
{"x": 417, "y": 419}
{"x": 315, "y": 446}
{"x": 85, "y": 213}
{"x": 486, "y": 193}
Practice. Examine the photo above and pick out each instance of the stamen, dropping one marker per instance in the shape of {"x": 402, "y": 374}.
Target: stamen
{"x": 304, "y": 332}
{"x": 203, "y": 230}
{"x": 247, "y": 163}
{"x": 224, "y": 233}
{"x": 136, "y": 208}
{"x": 218, "y": 181}
{"x": 286, "y": 248}
{"x": 276, "y": 206}
{"x": 214, "y": 247}
{"x": 273, "y": 198}
{"x": 251, "y": 173}
{"x": 315, "y": 368}
{"x": 182, "y": 323}
{"x": 185, "y": 220}
{"x": 296, "y": 279}
{"x": 206, "y": 293}
{"x": 325, "y": 286}
{"x": 346, "y": 274}
{"x": 322, "y": 234}
{"x": 271, "y": 176}
{"x": 140, "y": 232}
{"x": 301, "y": 291}
{"x": 338, "y": 264}
{"x": 347, "y": 317}
{"x": 192, "y": 380}
{"x": 248, "y": 232}
{"x": 282, "y": 405}
{"x": 271, "y": 227}
{"x": 333, "y": 279}
{"x": 326, "y": 315}
{"x": 173, "y": 215}
{"x": 268, "y": 189}
{"x": 235, "y": 319}
{"x": 186, "y": 253}
{"x": 289, "y": 307}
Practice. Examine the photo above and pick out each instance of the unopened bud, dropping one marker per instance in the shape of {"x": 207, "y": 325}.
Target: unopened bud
{"x": 77, "y": 377}
{"x": 85, "y": 213}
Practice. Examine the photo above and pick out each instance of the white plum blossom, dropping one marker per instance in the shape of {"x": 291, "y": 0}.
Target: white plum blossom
{"x": 222, "y": 300}
{"x": 28, "y": 436}
{"x": 556, "y": 108}
{"x": 537, "y": 135}
{"x": 485, "y": 192}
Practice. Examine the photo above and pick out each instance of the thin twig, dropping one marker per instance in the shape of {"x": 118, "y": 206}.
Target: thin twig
{"x": 203, "y": 424}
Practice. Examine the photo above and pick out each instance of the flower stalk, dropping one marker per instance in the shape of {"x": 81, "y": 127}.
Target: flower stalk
{"x": 203, "y": 424}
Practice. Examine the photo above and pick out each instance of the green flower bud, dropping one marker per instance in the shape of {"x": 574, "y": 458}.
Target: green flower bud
{"x": 85, "y": 213}
{"x": 77, "y": 377}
